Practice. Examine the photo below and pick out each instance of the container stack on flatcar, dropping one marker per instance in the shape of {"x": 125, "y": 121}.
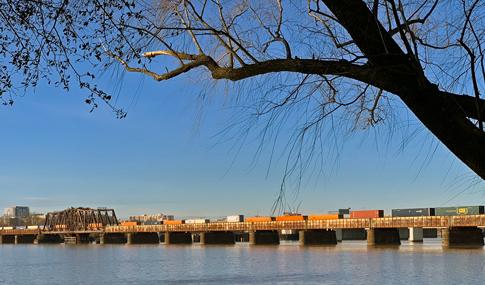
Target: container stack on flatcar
{"x": 460, "y": 210}
{"x": 366, "y": 214}
{"x": 197, "y": 221}
{"x": 235, "y": 219}
{"x": 325, "y": 217}
{"x": 413, "y": 212}
{"x": 290, "y": 218}
{"x": 260, "y": 219}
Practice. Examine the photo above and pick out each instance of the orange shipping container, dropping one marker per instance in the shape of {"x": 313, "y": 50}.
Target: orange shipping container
{"x": 325, "y": 217}
{"x": 291, "y": 218}
{"x": 260, "y": 219}
{"x": 129, "y": 223}
{"x": 173, "y": 222}
{"x": 95, "y": 225}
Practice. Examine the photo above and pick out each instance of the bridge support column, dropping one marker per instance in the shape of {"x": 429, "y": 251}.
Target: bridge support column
{"x": 403, "y": 233}
{"x": 338, "y": 234}
{"x": 1, "y": 239}
{"x": 416, "y": 234}
{"x": 465, "y": 236}
{"x": 16, "y": 239}
{"x": 217, "y": 238}
{"x": 142, "y": 238}
{"x": 318, "y": 237}
{"x": 178, "y": 238}
{"x": 383, "y": 236}
{"x": 264, "y": 237}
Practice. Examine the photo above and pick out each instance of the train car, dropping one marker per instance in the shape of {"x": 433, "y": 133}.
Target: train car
{"x": 197, "y": 221}
{"x": 260, "y": 219}
{"x": 21, "y": 227}
{"x": 174, "y": 222}
{"x": 367, "y": 214}
{"x": 459, "y": 211}
{"x": 325, "y": 217}
{"x": 290, "y": 218}
{"x": 32, "y": 227}
{"x": 150, "y": 223}
{"x": 129, "y": 223}
{"x": 60, "y": 227}
{"x": 8, "y": 228}
{"x": 95, "y": 225}
{"x": 235, "y": 219}
{"x": 412, "y": 212}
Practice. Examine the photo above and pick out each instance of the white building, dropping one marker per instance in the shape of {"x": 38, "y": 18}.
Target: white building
{"x": 17, "y": 211}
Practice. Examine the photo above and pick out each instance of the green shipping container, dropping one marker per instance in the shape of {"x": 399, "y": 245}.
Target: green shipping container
{"x": 458, "y": 211}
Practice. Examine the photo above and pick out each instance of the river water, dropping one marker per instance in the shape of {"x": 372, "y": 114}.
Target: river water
{"x": 349, "y": 262}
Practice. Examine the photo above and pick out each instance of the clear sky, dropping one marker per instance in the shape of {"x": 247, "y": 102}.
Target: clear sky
{"x": 56, "y": 154}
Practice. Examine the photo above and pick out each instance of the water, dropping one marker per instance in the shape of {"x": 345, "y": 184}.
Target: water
{"x": 350, "y": 262}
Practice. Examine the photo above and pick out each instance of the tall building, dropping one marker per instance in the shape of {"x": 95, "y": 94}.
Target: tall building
{"x": 17, "y": 211}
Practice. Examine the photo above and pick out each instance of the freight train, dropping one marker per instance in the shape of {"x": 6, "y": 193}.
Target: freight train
{"x": 365, "y": 214}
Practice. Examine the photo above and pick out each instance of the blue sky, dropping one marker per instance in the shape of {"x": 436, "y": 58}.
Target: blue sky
{"x": 56, "y": 154}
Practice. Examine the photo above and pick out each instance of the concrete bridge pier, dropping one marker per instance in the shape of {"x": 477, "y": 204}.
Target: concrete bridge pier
{"x": 383, "y": 236}
{"x": 217, "y": 238}
{"x": 339, "y": 234}
{"x": 403, "y": 233}
{"x": 416, "y": 234}
{"x": 142, "y": 238}
{"x": 263, "y": 237}
{"x": 178, "y": 238}
{"x": 463, "y": 236}
{"x": 318, "y": 237}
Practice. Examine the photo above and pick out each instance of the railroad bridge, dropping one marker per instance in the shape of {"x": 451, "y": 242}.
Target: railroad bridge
{"x": 77, "y": 225}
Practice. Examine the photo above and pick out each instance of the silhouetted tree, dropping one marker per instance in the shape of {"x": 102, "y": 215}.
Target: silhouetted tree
{"x": 343, "y": 63}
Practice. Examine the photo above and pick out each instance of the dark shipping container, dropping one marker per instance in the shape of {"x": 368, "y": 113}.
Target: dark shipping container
{"x": 367, "y": 214}
{"x": 458, "y": 211}
{"x": 414, "y": 212}
{"x": 151, "y": 223}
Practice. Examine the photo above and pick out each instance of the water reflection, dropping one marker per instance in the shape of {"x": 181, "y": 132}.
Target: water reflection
{"x": 349, "y": 262}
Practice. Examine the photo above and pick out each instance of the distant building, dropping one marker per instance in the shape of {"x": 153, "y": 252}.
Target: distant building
{"x": 151, "y": 218}
{"x": 17, "y": 212}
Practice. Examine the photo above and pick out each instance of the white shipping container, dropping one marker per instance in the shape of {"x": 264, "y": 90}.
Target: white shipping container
{"x": 190, "y": 221}
{"x": 8, "y": 228}
{"x": 235, "y": 219}
{"x": 202, "y": 221}
{"x": 33, "y": 227}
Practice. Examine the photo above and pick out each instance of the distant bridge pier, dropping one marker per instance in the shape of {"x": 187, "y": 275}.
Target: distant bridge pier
{"x": 416, "y": 234}
{"x": 178, "y": 238}
{"x": 318, "y": 237}
{"x": 339, "y": 234}
{"x": 263, "y": 237}
{"x": 112, "y": 238}
{"x": 217, "y": 238}
{"x": 462, "y": 236}
{"x": 403, "y": 233}
{"x": 383, "y": 236}
{"x": 142, "y": 238}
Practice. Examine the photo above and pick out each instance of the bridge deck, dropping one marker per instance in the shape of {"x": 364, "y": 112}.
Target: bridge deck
{"x": 387, "y": 222}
